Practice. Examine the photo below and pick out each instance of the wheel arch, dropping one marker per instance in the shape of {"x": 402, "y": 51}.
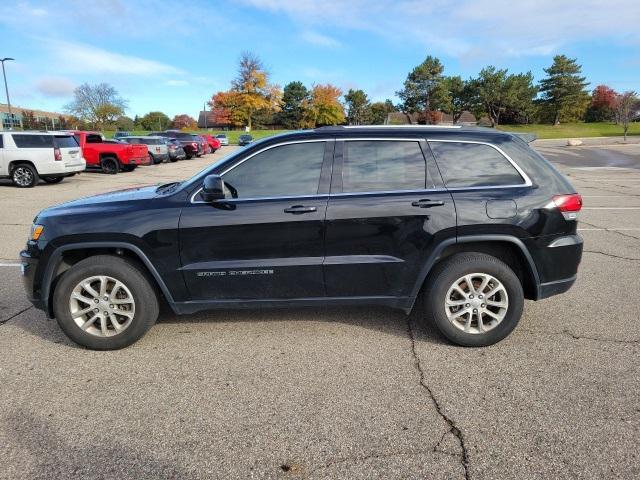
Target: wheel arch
{"x": 64, "y": 257}
{"x": 14, "y": 163}
{"x": 507, "y": 248}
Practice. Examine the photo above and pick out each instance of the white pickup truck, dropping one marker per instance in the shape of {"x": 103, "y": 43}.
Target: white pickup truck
{"x": 26, "y": 157}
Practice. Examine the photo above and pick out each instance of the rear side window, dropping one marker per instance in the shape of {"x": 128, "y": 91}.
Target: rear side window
{"x": 153, "y": 141}
{"x": 473, "y": 165}
{"x": 93, "y": 138}
{"x": 33, "y": 141}
{"x": 183, "y": 136}
{"x": 65, "y": 141}
{"x": 382, "y": 165}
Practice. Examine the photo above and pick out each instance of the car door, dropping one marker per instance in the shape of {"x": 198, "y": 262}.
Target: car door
{"x": 266, "y": 239}
{"x": 386, "y": 212}
{"x": 4, "y": 170}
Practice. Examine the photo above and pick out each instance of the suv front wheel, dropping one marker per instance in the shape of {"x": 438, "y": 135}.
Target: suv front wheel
{"x": 105, "y": 303}
{"x": 474, "y": 299}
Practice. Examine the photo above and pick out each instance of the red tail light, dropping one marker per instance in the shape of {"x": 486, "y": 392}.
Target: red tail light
{"x": 569, "y": 205}
{"x": 57, "y": 156}
{"x": 194, "y": 145}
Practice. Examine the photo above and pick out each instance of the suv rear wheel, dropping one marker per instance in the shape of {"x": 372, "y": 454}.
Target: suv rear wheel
{"x": 474, "y": 299}
{"x": 24, "y": 175}
{"x": 105, "y": 303}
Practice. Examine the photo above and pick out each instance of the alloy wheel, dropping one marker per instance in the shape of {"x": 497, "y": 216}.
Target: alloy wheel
{"x": 23, "y": 176}
{"x": 102, "y": 306}
{"x": 476, "y": 303}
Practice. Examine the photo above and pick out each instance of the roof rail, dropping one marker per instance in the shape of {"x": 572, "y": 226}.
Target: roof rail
{"x": 331, "y": 127}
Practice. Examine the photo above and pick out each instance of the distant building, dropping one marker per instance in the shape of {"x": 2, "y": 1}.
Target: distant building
{"x": 45, "y": 120}
{"x": 209, "y": 119}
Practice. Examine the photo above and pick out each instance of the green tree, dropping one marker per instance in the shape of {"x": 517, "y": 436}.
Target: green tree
{"x": 422, "y": 89}
{"x": 564, "y": 89}
{"x": 358, "y": 107}
{"x": 495, "y": 92}
{"x": 28, "y": 120}
{"x": 124, "y": 123}
{"x": 98, "y": 104}
{"x": 155, "y": 121}
{"x": 293, "y": 98}
{"x": 456, "y": 96}
{"x": 627, "y": 106}
{"x": 380, "y": 111}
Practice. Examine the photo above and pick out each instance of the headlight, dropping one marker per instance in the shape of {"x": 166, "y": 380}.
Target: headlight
{"x": 36, "y": 231}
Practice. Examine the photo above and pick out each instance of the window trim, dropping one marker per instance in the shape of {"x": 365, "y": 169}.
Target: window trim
{"x": 269, "y": 147}
{"x": 525, "y": 177}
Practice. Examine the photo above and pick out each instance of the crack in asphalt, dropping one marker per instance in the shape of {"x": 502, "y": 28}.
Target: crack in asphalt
{"x": 612, "y": 255}
{"x": 580, "y": 337}
{"x": 453, "y": 428}
{"x": 608, "y": 230}
{"x": 2, "y": 322}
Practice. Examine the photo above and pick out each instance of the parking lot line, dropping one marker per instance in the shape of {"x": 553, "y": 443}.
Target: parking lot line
{"x": 611, "y": 208}
{"x": 609, "y": 229}
{"x": 9, "y": 264}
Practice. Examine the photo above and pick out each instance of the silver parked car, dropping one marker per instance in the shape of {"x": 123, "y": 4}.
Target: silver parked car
{"x": 157, "y": 147}
{"x": 224, "y": 140}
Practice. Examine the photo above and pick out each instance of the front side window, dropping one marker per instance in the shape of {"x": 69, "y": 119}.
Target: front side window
{"x": 473, "y": 165}
{"x": 382, "y": 165}
{"x": 33, "y": 141}
{"x": 282, "y": 171}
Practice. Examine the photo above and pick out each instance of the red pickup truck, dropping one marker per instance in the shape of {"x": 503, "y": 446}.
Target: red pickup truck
{"x": 110, "y": 157}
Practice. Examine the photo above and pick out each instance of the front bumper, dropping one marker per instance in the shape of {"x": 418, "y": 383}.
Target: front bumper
{"x": 29, "y": 269}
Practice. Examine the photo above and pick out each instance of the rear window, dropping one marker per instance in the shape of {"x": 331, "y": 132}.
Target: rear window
{"x": 473, "y": 165}
{"x": 183, "y": 136}
{"x": 65, "y": 141}
{"x": 94, "y": 138}
{"x": 153, "y": 141}
{"x": 370, "y": 166}
{"x": 33, "y": 141}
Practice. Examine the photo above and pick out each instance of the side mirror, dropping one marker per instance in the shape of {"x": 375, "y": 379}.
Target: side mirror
{"x": 213, "y": 188}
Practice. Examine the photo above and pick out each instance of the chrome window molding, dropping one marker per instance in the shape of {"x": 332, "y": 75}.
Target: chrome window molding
{"x": 525, "y": 177}
{"x": 435, "y": 127}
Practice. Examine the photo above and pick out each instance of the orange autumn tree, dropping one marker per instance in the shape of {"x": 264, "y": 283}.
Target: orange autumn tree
{"x": 323, "y": 107}
{"x": 250, "y": 93}
{"x": 225, "y": 107}
{"x": 184, "y": 121}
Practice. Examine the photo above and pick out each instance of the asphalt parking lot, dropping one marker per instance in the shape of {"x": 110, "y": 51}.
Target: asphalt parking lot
{"x": 353, "y": 393}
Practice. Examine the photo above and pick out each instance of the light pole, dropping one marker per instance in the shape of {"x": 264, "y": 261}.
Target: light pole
{"x": 6, "y": 89}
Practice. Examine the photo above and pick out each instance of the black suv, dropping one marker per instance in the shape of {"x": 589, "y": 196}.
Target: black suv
{"x": 191, "y": 146}
{"x": 472, "y": 221}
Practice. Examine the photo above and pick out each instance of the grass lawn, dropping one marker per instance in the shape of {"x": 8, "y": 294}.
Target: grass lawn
{"x": 231, "y": 134}
{"x": 573, "y": 130}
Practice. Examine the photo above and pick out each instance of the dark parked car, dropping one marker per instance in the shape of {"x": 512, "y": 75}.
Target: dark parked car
{"x": 121, "y": 133}
{"x": 245, "y": 139}
{"x": 176, "y": 152}
{"x": 468, "y": 221}
{"x": 202, "y": 145}
{"x": 190, "y": 146}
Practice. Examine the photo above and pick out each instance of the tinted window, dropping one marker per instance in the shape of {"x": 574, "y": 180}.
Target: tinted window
{"x": 152, "y": 141}
{"x": 65, "y": 141}
{"x": 33, "y": 141}
{"x": 473, "y": 165}
{"x": 183, "y": 136}
{"x": 370, "y": 166}
{"x": 94, "y": 138}
{"x": 1, "y": 141}
{"x": 77, "y": 137}
{"x": 286, "y": 170}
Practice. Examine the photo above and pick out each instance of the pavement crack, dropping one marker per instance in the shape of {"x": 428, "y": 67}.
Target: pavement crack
{"x": 453, "y": 428}
{"x": 612, "y": 255}
{"x": 2, "y": 322}
{"x": 609, "y": 230}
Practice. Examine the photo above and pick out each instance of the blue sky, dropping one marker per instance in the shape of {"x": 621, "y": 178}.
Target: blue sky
{"x": 172, "y": 56}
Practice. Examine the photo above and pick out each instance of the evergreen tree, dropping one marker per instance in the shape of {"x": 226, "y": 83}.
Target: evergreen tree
{"x": 564, "y": 89}
{"x": 293, "y": 98}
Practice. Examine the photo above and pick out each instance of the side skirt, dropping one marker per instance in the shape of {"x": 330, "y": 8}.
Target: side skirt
{"x": 399, "y": 303}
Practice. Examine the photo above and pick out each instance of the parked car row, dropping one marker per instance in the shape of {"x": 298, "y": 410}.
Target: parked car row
{"x": 27, "y": 157}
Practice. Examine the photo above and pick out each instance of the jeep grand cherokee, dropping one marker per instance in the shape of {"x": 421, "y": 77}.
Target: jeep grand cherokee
{"x": 470, "y": 221}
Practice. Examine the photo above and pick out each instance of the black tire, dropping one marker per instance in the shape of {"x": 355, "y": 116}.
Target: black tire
{"x": 173, "y": 159}
{"x": 110, "y": 165}
{"x": 189, "y": 156}
{"x": 136, "y": 280}
{"x": 445, "y": 274}
{"x": 24, "y": 175}
{"x": 52, "y": 180}
{"x": 128, "y": 168}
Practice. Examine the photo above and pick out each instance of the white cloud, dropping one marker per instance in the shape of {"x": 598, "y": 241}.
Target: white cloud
{"x": 465, "y": 27}
{"x": 319, "y": 39}
{"x": 82, "y": 58}
{"x": 176, "y": 83}
{"x": 55, "y": 86}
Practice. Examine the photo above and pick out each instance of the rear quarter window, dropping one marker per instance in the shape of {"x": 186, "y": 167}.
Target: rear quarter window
{"x": 94, "y": 138}
{"x": 465, "y": 164}
{"x": 65, "y": 141}
{"x": 33, "y": 141}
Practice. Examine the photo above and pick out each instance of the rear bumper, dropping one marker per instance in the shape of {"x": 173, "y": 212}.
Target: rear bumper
{"x": 139, "y": 161}
{"x": 557, "y": 260}
{"x": 556, "y": 287}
